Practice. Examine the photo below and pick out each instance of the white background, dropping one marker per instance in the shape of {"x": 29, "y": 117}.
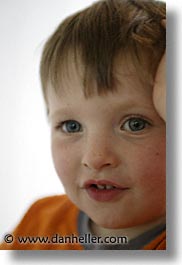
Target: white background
{"x": 26, "y": 171}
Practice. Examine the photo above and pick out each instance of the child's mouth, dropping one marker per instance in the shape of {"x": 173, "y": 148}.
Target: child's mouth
{"x": 103, "y": 190}
{"x": 103, "y": 187}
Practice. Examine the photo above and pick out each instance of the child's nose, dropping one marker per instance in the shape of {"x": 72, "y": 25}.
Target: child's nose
{"x": 99, "y": 155}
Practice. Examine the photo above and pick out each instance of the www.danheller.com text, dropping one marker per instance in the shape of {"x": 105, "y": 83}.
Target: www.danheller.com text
{"x": 68, "y": 239}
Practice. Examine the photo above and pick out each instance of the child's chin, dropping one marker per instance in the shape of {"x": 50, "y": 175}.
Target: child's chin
{"x": 117, "y": 223}
{"x": 110, "y": 224}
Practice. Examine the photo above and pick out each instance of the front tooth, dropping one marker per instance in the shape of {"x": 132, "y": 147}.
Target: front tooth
{"x": 100, "y": 187}
{"x": 109, "y": 187}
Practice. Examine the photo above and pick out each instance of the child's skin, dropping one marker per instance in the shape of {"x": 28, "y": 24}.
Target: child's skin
{"x": 104, "y": 143}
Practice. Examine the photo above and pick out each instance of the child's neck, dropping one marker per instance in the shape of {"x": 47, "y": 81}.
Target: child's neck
{"x": 130, "y": 233}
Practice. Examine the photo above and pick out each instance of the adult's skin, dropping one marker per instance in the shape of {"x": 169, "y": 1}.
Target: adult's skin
{"x": 159, "y": 92}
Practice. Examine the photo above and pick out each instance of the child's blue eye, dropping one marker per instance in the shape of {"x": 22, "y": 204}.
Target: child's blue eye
{"x": 135, "y": 124}
{"x": 70, "y": 126}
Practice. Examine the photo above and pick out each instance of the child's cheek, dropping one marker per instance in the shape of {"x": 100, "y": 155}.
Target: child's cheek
{"x": 64, "y": 159}
{"x": 151, "y": 165}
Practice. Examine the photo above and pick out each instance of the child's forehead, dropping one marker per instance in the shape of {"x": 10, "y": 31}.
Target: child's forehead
{"x": 72, "y": 103}
{"x": 129, "y": 90}
{"x": 71, "y": 78}
{"x": 71, "y": 97}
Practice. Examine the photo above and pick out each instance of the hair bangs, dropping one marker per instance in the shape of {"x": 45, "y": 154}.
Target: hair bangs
{"x": 94, "y": 38}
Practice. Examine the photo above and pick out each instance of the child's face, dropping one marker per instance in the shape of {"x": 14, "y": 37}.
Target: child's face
{"x": 115, "y": 140}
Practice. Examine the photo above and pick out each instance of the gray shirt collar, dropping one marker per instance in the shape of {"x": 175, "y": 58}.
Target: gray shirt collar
{"x": 134, "y": 244}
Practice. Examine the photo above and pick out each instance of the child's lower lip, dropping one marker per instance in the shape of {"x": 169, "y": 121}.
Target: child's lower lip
{"x": 104, "y": 195}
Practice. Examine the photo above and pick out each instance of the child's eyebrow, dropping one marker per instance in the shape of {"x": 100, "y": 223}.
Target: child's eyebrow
{"x": 64, "y": 112}
{"x": 60, "y": 112}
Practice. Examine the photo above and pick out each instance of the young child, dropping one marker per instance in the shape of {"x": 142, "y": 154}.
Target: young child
{"x": 98, "y": 73}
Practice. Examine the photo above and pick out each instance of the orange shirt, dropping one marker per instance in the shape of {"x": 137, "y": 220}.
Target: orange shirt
{"x": 51, "y": 224}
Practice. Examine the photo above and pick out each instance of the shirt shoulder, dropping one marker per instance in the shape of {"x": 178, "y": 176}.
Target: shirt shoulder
{"x": 51, "y": 207}
{"x": 49, "y": 214}
{"x": 159, "y": 243}
{"x": 46, "y": 217}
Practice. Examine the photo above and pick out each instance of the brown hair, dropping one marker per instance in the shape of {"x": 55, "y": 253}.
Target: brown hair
{"x": 98, "y": 34}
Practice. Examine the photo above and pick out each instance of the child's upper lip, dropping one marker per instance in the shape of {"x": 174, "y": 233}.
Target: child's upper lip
{"x": 87, "y": 184}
